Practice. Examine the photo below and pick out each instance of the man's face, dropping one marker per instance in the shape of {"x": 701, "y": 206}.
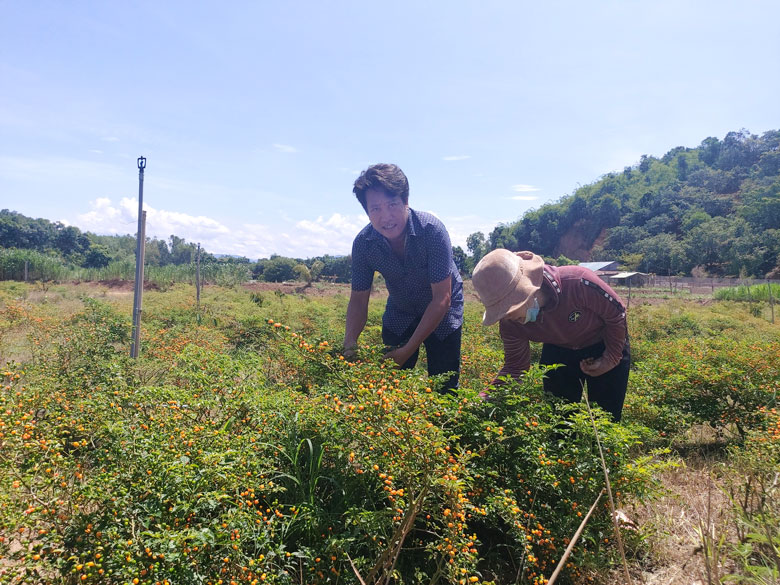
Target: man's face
{"x": 388, "y": 215}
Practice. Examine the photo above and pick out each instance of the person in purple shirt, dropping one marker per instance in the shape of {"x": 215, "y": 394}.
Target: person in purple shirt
{"x": 578, "y": 318}
{"x": 412, "y": 251}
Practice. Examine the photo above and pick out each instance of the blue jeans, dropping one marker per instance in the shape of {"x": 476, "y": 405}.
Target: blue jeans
{"x": 443, "y": 354}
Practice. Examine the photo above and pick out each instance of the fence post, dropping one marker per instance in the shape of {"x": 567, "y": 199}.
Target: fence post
{"x": 197, "y": 278}
{"x": 628, "y": 305}
{"x": 771, "y": 299}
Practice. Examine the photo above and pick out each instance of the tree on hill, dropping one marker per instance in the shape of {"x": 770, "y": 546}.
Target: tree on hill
{"x": 715, "y": 207}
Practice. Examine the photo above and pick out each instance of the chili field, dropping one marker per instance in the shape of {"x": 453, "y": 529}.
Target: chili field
{"x": 242, "y": 448}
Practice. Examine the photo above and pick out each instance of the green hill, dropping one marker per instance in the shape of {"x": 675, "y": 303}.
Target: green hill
{"x": 713, "y": 209}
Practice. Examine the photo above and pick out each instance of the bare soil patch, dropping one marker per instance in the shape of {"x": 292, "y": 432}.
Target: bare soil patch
{"x": 118, "y": 284}
{"x": 693, "y": 503}
{"x": 314, "y": 289}
{"x": 329, "y": 289}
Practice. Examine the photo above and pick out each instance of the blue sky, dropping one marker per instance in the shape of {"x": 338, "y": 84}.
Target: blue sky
{"x": 256, "y": 117}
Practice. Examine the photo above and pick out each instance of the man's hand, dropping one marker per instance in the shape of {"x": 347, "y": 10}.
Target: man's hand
{"x": 594, "y": 366}
{"x": 399, "y": 355}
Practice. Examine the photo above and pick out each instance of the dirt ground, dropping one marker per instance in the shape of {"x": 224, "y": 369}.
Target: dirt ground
{"x": 324, "y": 289}
{"x": 314, "y": 289}
{"x": 692, "y": 504}
{"x": 651, "y": 296}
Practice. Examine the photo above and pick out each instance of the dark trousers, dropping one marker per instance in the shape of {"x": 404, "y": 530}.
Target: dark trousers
{"x": 607, "y": 390}
{"x": 443, "y": 354}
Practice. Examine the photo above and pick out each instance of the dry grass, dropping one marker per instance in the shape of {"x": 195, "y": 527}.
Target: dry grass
{"x": 689, "y": 527}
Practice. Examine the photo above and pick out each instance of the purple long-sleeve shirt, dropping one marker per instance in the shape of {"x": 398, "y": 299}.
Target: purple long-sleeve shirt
{"x": 582, "y": 311}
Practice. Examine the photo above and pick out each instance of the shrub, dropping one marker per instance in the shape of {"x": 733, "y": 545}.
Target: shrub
{"x": 719, "y": 381}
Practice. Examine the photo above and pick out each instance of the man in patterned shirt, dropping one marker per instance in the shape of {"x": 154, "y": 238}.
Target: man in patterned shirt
{"x": 412, "y": 251}
{"x": 579, "y": 319}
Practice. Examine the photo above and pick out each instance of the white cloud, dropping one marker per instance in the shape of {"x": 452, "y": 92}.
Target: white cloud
{"x": 107, "y": 218}
{"x": 313, "y": 227}
{"x": 110, "y": 139}
{"x": 285, "y": 148}
{"x": 304, "y": 239}
{"x": 334, "y": 233}
{"x": 296, "y": 239}
{"x": 344, "y": 222}
{"x": 525, "y": 188}
{"x": 456, "y": 157}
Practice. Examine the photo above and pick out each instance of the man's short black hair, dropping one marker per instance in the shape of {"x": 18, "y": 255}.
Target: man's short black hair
{"x": 382, "y": 177}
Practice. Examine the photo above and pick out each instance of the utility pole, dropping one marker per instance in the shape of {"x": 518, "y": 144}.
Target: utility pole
{"x": 139, "y": 262}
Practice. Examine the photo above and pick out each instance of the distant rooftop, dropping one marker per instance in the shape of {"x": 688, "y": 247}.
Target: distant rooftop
{"x": 596, "y": 266}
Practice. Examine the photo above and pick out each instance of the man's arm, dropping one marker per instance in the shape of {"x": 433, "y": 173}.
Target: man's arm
{"x": 357, "y": 315}
{"x": 434, "y": 313}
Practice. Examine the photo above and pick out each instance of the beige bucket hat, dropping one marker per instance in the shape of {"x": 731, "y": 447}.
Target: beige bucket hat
{"x": 506, "y": 281}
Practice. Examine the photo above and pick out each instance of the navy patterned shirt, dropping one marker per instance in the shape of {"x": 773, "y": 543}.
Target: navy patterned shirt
{"x": 427, "y": 260}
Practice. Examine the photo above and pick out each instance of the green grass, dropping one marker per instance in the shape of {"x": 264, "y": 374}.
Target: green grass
{"x": 756, "y": 292}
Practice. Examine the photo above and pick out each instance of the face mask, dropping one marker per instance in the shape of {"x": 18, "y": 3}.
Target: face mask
{"x": 532, "y": 313}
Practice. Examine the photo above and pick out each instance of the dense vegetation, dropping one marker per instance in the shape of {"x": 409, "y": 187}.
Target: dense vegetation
{"x": 242, "y": 448}
{"x": 88, "y": 250}
{"x": 709, "y": 210}
{"x": 52, "y": 251}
